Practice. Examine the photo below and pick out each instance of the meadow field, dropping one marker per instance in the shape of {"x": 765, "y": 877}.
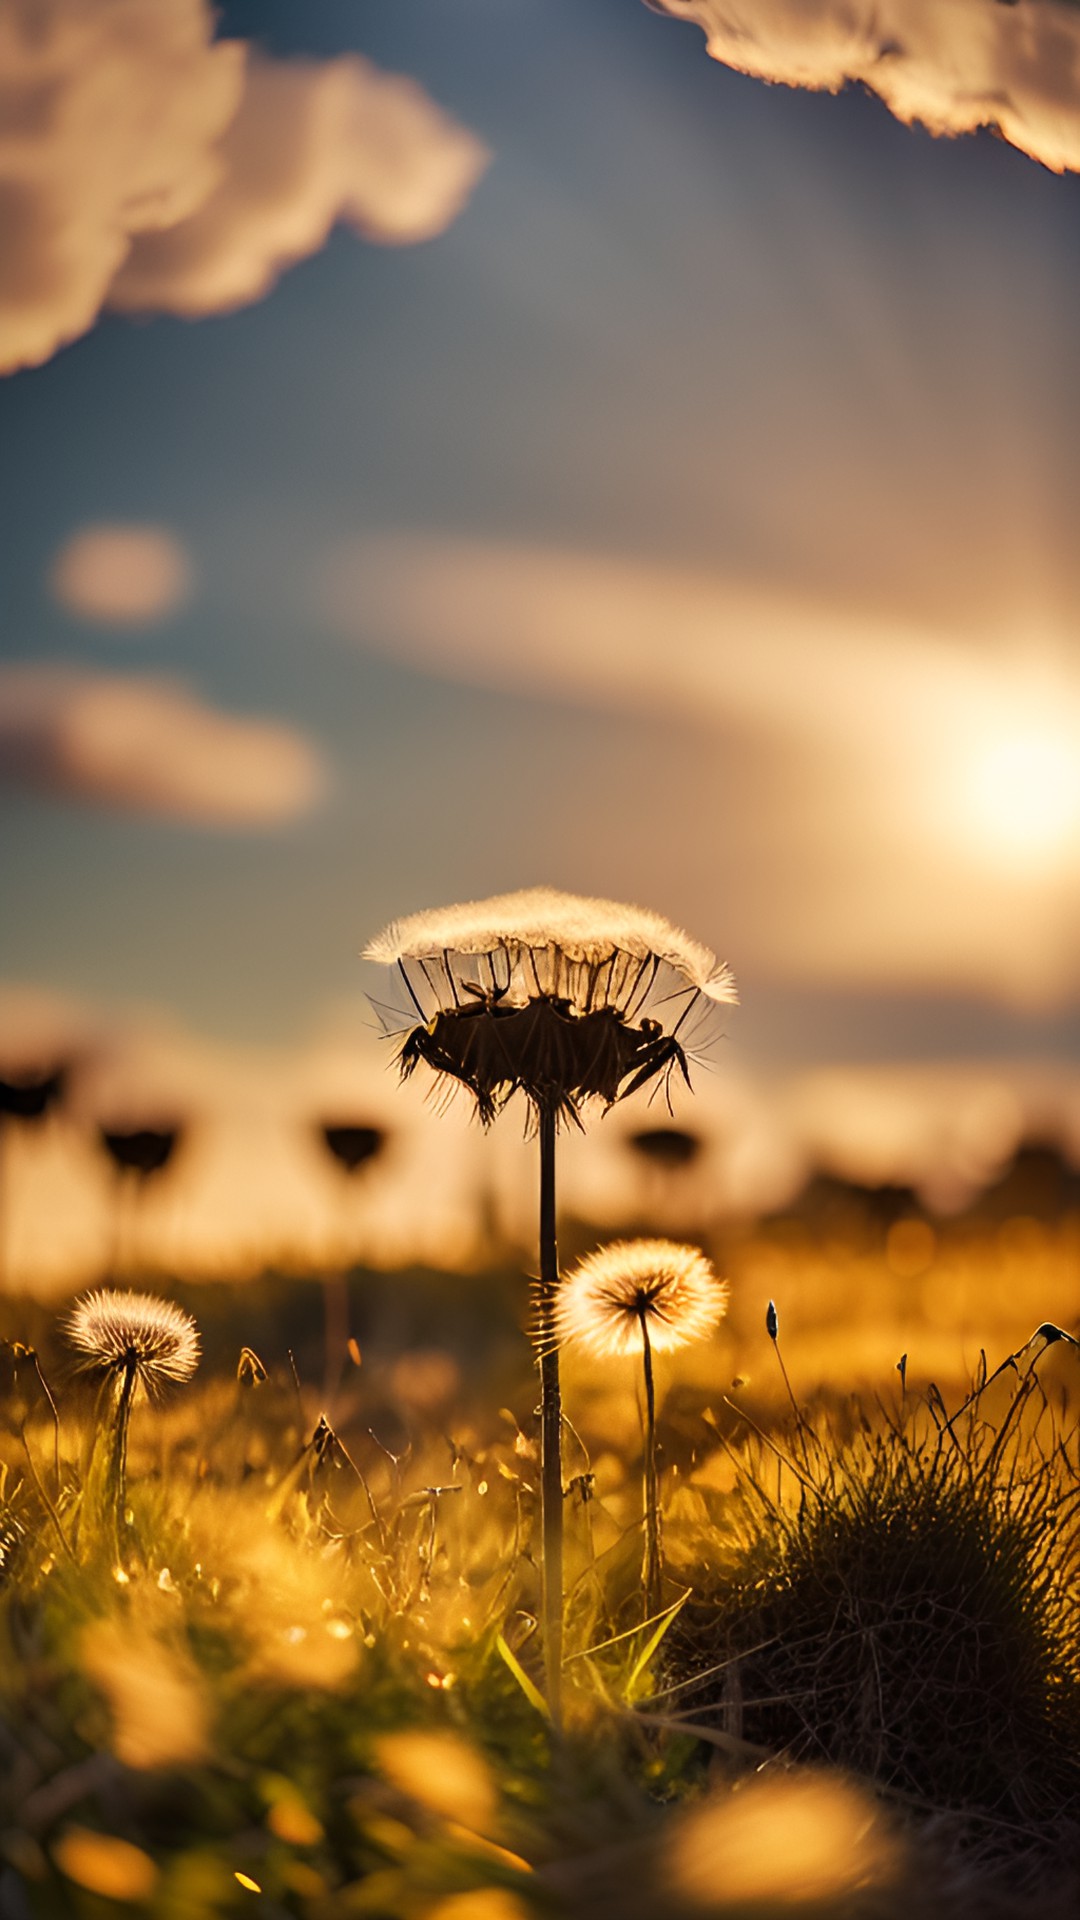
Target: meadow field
{"x": 302, "y": 1673}
{"x": 491, "y": 1427}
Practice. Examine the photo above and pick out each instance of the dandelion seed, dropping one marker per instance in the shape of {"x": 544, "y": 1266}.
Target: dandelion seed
{"x": 632, "y": 1297}
{"x": 131, "y": 1341}
{"x": 638, "y": 1291}
{"x": 566, "y": 1001}
{"x": 117, "y": 1333}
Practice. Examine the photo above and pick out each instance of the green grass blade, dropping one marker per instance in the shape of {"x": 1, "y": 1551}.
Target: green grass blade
{"x": 663, "y": 1622}
{"x": 532, "y": 1693}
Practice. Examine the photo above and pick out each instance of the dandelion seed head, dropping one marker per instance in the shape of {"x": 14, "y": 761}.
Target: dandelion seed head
{"x": 602, "y": 1302}
{"x": 112, "y": 1331}
{"x": 562, "y": 998}
{"x": 584, "y": 931}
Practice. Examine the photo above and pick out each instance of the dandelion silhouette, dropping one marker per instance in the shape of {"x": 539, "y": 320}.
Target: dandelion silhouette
{"x": 561, "y": 998}
{"x": 30, "y": 1096}
{"x": 131, "y": 1342}
{"x": 566, "y": 1001}
{"x": 140, "y": 1150}
{"x": 351, "y": 1145}
{"x": 138, "y": 1154}
{"x": 641, "y": 1296}
{"x": 670, "y": 1148}
{"x": 26, "y": 1098}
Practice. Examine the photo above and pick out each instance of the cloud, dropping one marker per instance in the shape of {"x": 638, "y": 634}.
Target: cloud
{"x": 886, "y": 804}
{"x": 314, "y": 143}
{"x": 145, "y": 165}
{"x": 112, "y": 115}
{"x": 121, "y": 576}
{"x": 951, "y": 65}
{"x": 607, "y": 628}
{"x": 148, "y": 745}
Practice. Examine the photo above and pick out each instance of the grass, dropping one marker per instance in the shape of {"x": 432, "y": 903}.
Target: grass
{"x": 308, "y": 1682}
{"x": 896, "y": 1597}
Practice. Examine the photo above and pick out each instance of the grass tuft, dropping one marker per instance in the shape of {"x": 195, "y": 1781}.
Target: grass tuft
{"x": 897, "y": 1598}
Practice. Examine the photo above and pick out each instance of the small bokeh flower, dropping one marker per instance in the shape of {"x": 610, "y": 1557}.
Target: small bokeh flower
{"x": 562, "y": 998}
{"x": 120, "y": 1333}
{"x": 606, "y": 1301}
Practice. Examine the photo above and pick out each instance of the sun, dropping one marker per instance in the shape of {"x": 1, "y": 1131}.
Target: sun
{"x": 1022, "y": 794}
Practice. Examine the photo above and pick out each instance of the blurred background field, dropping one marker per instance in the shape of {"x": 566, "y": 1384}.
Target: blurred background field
{"x": 921, "y": 1212}
{"x": 313, "y": 1673}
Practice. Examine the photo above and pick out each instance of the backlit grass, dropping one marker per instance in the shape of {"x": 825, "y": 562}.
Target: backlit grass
{"x": 306, "y": 1677}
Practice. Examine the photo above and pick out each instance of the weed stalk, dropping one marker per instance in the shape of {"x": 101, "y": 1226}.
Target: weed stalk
{"x": 650, "y": 1573}
{"x": 551, "y": 1482}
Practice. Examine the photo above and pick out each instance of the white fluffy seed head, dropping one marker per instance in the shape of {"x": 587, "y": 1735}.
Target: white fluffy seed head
{"x": 113, "y": 1331}
{"x": 601, "y": 1304}
{"x": 567, "y": 929}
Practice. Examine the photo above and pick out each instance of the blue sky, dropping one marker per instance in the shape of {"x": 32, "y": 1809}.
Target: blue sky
{"x": 687, "y": 323}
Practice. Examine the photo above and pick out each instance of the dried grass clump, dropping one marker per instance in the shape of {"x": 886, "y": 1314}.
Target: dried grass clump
{"x": 900, "y": 1602}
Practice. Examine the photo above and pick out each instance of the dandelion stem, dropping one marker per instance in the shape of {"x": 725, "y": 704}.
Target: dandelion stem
{"x": 551, "y": 1488}
{"x": 43, "y": 1496}
{"x": 650, "y": 1573}
{"x": 118, "y": 1456}
{"x": 5, "y": 1282}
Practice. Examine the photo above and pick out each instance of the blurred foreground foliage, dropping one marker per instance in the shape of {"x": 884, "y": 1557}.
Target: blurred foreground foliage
{"x": 309, "y": 1684}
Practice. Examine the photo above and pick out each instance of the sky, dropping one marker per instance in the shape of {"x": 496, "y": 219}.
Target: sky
{"x": 647, "y": 480}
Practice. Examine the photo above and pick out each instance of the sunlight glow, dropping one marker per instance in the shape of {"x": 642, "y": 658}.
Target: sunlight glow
{"x": 1023, "y": 793}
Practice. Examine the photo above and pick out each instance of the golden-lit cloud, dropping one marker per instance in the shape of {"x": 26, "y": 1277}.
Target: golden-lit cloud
{"x": 145, "y": 164}
{"x": 314, "y": 143}
{"x": 121, "y": 576}
{"x": 607, "y": 628}
{"x": 112, "y": 117}
{"x": 910, "y": 798}
{"x": 151, "y": 746}
{"x": 950, "y": 65}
